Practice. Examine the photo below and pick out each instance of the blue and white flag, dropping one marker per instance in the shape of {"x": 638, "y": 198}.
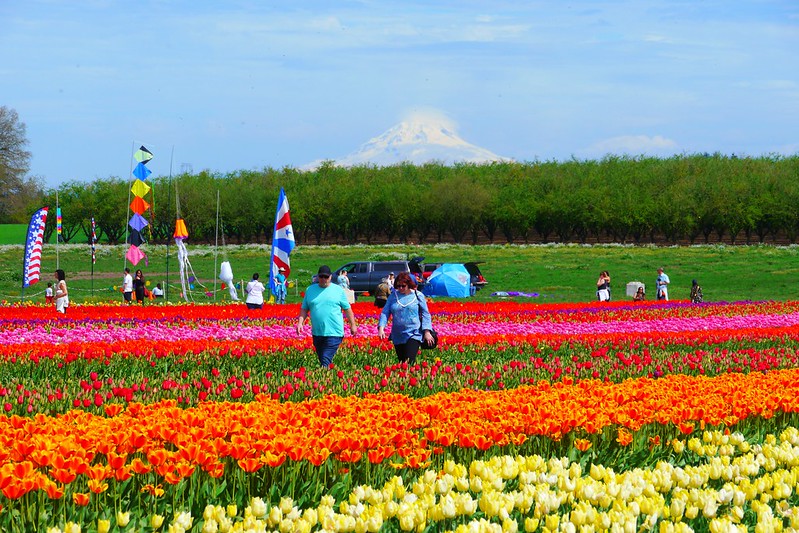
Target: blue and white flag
{"x": 282, "y": 241}
{"x": 32, "y": 261}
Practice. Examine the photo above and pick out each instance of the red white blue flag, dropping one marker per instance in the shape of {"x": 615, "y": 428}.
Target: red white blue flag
{"x": 282, "y": 240}
{"x": 32, "y": 262}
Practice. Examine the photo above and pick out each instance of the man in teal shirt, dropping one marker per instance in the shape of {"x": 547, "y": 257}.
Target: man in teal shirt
{"x": 324, "y": 301}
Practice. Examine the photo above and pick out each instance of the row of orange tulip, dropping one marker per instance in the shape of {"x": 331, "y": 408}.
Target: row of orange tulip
{"x": 84, "y": 451}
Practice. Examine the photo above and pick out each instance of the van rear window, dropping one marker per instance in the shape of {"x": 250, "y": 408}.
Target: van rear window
{"x": 390, "y": 267}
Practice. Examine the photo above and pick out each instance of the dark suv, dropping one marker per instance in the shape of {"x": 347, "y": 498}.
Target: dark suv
{"x": 365, "y": 276}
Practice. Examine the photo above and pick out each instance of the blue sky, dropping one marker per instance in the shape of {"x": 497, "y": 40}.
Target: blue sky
{"x": 242, "y": 84}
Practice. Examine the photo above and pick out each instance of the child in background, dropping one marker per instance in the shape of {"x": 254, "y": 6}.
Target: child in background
{"x": 48, "y": 294}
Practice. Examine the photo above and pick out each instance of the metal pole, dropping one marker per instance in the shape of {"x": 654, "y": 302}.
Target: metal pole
{"x": 168, "y": 201}
{"x": 216, "y": 243}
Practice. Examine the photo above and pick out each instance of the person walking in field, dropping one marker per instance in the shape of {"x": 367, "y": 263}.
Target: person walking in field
{"x": 324, "y": 301}
{"x": 662, "y": 285}
{"x": 411, "y": 322}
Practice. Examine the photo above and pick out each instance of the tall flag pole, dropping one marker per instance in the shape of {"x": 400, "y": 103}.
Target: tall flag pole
{"x": 57, "y": 227}
{"x": 32, "y": 259}
{"x": 282, "y": 240}
{"x": 137, "y": 222}
{"x": 94, "y": 251}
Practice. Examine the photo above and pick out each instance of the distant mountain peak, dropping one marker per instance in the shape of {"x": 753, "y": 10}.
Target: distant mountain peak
{"x": 418, "y": 140}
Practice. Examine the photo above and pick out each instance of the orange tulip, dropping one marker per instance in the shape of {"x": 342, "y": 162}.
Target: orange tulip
{"x": 624, "y": 437}
{"x": 250, "y": 464}
{"x": 81, "y": 499}
{"x": 97, "y": 487}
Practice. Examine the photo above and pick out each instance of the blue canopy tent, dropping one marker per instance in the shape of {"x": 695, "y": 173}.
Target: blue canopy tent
{"x": 450, "y": 279}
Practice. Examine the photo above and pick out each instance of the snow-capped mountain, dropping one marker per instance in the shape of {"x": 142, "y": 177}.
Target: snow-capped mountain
{"x": 418, "y": 140}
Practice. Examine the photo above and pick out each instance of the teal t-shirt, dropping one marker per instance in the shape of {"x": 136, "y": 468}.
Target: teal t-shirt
{"x": 325, "y": 306}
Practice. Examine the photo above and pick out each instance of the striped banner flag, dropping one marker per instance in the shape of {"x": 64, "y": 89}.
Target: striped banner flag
{"x": 94, "y": 243}
{"x": 32, "y": 262}
{"x": 58, "y": 220}
{"x": 282, "y": 240}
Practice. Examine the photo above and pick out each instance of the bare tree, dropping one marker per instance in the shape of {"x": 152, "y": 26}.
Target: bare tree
{"x": 17, "y": 191}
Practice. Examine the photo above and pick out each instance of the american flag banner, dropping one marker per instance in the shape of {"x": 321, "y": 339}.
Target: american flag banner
{"x": 32, "y": 262}
{"x": 282, "y": 240}
{"x": 94, "y": 243}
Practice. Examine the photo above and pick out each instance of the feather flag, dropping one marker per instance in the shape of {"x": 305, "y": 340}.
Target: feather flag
{"x": 94, "y": 242}
{"x": 139, "y": 206}
{"x": 282, "y": 240}
{"x": 32, "y": 261}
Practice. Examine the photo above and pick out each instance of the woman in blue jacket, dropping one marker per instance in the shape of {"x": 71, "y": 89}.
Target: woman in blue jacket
{"x": 411, "y": 321}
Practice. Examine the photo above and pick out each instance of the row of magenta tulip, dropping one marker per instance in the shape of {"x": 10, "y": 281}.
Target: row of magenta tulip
{"x": 35, "y": 325}
{"x": 163, "y": 457}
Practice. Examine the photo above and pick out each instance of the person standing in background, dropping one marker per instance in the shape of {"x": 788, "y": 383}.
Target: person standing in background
{"x": 127, "y": 287}
{"x": 158, "y": 292}
{"x": 139, "y": 286}
{"x": 662, "y": 285}
{"x": 280, "y": 286}
{"x": 61, "y": 293}
{"x": 603, "y": 287}
{"x": 640, "y": 295}
{"x": 48, "y": 293}
{"x": 382, "y": 293}
{"x": 696, "y": 293}
{"x": 255, "y": 293}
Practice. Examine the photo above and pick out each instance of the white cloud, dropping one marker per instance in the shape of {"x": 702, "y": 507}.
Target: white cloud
{"x": 429, "y": 115}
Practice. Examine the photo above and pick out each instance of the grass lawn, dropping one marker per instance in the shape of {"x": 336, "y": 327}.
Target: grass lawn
{"x": 558, "y": 273}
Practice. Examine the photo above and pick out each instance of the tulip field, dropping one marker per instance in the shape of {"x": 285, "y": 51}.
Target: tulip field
{"x": 619, "y": 416}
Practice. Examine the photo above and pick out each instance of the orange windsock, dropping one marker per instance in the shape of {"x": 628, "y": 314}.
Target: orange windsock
{"x": 180, "y": 229}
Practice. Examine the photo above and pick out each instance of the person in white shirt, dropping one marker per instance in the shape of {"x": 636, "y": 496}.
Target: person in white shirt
{"x": 61, "y": 293}
{"x": 255, "y": 293}
{"x": 662, "y": 285}
{"x": 127, "y": 287}
{"x": 158, "y": 292}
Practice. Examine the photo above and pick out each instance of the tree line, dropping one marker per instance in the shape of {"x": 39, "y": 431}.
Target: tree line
{"x": 692, "y": 198}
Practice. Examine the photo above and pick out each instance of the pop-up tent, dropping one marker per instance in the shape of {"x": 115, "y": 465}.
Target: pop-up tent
{"x": 450, "y": 279}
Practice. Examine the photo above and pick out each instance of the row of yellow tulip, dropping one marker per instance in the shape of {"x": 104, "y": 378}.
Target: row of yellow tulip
{"x": 737, "y": 487}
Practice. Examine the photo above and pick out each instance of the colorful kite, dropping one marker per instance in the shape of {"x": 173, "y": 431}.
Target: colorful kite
{"x": 139, "y": 206}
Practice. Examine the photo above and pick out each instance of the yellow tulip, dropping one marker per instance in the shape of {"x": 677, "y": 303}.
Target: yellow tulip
{"x": 123, "y": 518}
{"x": 156, "y": 521}
{"x": 103, "y": 526}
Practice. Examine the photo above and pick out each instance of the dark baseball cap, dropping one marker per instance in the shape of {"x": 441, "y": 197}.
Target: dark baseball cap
{"x": 324, "y": 270}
